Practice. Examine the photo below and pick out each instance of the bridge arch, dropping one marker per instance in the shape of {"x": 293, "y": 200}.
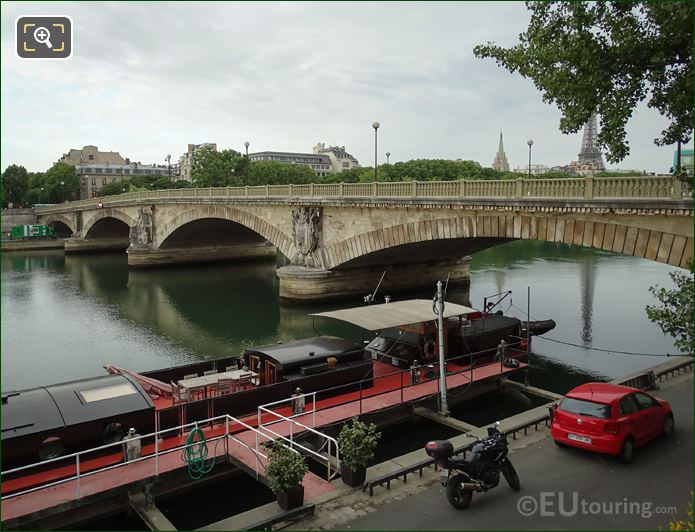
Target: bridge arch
{"x": 660, "y": 246}
{"x": 52, "y": 219}
{"x": 103, "y": 215}
{"x": 222, "y": 212}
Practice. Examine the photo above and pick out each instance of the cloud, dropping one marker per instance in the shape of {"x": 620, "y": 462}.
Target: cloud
{"x": 148, "y": 78}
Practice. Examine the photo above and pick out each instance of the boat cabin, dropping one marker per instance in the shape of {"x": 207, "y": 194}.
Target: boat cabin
{"x": 407, "y": 331}
{"x": 45, "y": 422}
{"x": 302, "y": 358}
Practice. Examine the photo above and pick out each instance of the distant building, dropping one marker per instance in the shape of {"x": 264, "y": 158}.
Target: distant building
{"x": 536, "y": 169}
{"x": 186, "y": 160}
{"x": 500, "y": 163}
{"x": 686, "y": 160}
{"x": 91, "y": 154}
{"x": 321, "y": 164}
{"x": 94, "y": 176}
{"x": 340, "y": 159}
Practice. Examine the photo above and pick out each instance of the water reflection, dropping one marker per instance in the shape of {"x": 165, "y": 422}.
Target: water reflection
{"x": 67, "y": 316}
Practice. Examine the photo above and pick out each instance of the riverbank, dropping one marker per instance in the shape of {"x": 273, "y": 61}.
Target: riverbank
{"x": 31, "y": 245}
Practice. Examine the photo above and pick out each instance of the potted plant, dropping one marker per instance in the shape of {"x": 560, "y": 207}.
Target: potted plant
{"x": 356, "y": 441}
{"x": 285, "y": 470}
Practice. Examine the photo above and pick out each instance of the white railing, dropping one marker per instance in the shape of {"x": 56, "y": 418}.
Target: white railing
{"x": 325, "y": 441}
{"x": 79, "y": 460}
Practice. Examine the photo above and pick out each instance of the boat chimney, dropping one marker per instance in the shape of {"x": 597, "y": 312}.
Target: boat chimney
{"x": 387, "y": 299}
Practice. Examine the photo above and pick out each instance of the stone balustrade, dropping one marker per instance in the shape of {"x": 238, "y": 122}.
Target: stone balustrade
{"x": 654, "y": 187}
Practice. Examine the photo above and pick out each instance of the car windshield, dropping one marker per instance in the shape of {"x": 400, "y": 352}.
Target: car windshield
{"x": 585, "y": 408}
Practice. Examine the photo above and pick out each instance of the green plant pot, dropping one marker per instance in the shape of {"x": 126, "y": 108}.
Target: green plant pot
{"x": 353, "y": 478}
{"x": 290, "y": 499}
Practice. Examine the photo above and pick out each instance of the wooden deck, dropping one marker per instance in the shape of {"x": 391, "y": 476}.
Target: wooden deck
{"x": 386, "y": 392}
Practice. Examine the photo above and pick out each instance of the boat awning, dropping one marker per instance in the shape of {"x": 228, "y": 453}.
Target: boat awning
{"x": 386, "y": 315}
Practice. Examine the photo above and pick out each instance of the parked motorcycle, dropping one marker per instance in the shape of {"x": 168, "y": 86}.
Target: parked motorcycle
{"x": 479, "y": 471}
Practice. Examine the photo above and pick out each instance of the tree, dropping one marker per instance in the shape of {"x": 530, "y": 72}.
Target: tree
{"x": 675, "y": 313}
{"x": 608, "y": 57}
{"x": 212, "y": 168}
{"x": 15, "y": 184}
{"x": 61, "y": 183}
{"x": 275, "y": 173}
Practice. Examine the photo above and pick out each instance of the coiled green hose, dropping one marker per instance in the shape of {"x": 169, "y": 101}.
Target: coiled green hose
{"x": 196, "y": 453}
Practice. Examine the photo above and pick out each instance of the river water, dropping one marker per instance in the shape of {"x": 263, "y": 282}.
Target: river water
{"x": 65, "y": 317}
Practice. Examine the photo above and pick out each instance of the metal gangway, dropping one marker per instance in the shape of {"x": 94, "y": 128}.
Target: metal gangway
{"x": 327, "y": 444}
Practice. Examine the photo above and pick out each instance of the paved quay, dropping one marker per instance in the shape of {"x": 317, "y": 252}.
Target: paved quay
{"x": 642, "y": 495}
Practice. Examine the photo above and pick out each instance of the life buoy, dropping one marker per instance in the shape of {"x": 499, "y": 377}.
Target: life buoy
{"x": 429, "y": 349}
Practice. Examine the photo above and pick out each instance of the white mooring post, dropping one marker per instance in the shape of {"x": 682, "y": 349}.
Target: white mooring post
{"x": 443, "y": 408}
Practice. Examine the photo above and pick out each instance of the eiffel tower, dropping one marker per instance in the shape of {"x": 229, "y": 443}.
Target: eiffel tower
{"x": 589, "y": 154}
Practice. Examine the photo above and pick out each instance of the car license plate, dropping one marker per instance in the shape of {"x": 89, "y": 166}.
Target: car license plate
{"x": 582, "y": 439}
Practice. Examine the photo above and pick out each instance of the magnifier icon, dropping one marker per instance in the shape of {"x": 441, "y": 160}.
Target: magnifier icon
{"x": 43, "y": 36}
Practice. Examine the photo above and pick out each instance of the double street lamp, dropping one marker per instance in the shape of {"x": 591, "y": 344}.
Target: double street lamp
{"x": 375, "y": 125}
{"x": 530, "y": 143}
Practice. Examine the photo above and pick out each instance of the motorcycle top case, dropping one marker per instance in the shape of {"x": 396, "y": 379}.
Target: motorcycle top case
{"x": 439, "y": 449}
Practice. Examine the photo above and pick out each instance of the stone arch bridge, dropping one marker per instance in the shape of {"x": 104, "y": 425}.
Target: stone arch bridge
{"x": 339, "y": 238}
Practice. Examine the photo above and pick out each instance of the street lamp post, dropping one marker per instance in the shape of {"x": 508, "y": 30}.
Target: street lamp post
{"x": 375, "y": 125}
{"x": 246, "y": 145}
{"x": 168, "y": 158}
{"x": 388, "y": 154}
{"x": 530, "y": 143}
{"x": 62, "y": 191}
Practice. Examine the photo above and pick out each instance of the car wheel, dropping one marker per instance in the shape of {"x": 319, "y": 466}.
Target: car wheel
{"x": 627, "y": 450}
{"x": 668, "y": 427}
{"x": 560, "y": 444}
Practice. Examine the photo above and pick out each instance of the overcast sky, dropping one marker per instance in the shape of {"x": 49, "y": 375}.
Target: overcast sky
{"x": 146, "y": 79}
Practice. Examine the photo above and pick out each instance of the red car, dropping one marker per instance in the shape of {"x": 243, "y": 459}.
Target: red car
{"x": 609, "y": 418}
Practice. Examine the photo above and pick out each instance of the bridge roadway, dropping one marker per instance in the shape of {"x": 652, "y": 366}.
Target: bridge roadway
{"x": 339, "y": 238}
{"x": 660, "y": 478}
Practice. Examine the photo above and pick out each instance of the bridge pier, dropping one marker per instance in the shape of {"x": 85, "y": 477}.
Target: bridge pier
{"x": 95, "y": 245}
{"x": 148, "y": 258}
{"x": 300, "y": 284}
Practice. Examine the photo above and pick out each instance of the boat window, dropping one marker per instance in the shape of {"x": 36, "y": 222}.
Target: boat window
{"x": 585, "y": 408}
{"x": 51, "y": 447}
{"x": 107, "y": 392}
{"x": 113, "y": 432}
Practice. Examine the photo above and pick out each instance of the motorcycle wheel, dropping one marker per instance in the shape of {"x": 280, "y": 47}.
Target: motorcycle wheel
{"x": 510, "y": 474}
{"x": 458, "y": 497}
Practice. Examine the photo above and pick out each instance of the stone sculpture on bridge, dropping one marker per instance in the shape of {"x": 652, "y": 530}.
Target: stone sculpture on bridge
{"x": 77, "y": 224}
{"x": 306, "y": 226}
{"x": 141, "y": 232}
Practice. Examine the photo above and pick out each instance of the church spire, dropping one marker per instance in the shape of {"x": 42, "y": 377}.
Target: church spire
{"x": 500, "y": 163}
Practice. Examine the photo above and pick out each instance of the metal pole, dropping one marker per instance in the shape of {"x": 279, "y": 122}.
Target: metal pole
{"x": 443, "y": 408}
{"x": 375, "y": 125}
{"x": 376, "y": 168}
{"x": 678, "y": 159}
{"x": 360, "y": 397}
{"x": 401, "y": 386}
{"x": 77, "y": 469}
